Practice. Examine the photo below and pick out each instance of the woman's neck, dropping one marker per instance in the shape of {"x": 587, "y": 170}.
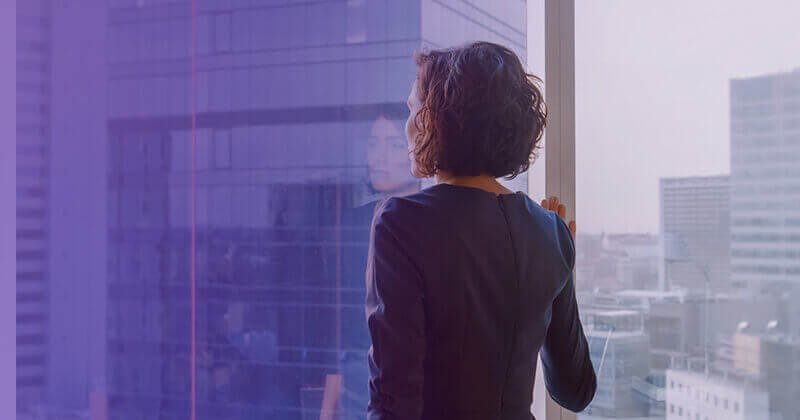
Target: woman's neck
{"x": 484, "y": 182}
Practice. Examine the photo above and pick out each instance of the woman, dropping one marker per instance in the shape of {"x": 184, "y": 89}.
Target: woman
{"x": 468, "y": 281}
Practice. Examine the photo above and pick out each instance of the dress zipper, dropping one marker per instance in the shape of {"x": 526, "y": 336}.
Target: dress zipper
{"x": 514, "y": 330}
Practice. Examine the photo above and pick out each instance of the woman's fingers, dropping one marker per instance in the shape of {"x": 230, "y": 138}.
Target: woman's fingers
{"x": 562, "y": 211}
{"x": 553, "y": 204}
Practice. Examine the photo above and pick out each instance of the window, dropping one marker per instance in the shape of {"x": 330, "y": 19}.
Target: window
{"x": 706, "y": 170}
{"x": 211, "y": 196}
{"x": 238, "y": 150}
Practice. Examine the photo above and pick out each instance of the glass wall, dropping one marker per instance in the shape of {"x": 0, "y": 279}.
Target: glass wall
{"x": 196, "y": 181}
{"x": 688, "y": 201}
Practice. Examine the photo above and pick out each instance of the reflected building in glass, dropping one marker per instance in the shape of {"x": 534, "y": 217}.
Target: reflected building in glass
{"x": 299, "y": 132}
{"x": 33, "y": 206}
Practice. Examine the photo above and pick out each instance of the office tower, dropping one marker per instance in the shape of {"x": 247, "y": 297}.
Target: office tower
{"x": 765, "y": 197}
{"x": 33, "y": 152}
{"x": 695, "y": 231}
{"x": 299, "y": 131}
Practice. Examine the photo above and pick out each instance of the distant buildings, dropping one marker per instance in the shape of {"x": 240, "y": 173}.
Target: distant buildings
{"x": 695, "y": 232}
{"x": 619, "y": 350}
{"x": 617, "y": 261}
{"x": 773, "y": 362}
{"x": 752, "y": 376}
{"x": 692, "y": 395}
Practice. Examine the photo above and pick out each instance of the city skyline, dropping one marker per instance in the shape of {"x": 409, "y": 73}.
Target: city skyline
{"x": 675, "y": 59}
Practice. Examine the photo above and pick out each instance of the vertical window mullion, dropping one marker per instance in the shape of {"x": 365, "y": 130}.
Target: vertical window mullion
{"x": 559, "y": 145}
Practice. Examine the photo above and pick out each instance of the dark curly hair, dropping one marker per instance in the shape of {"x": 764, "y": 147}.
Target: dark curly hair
{"x": 481, "y": 113}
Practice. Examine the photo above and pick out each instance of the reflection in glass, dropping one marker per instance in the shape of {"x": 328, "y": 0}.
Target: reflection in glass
{"x": 298, "y": 112}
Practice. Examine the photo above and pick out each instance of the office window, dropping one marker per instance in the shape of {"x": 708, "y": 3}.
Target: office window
{"x": 700, "y": 141}
{"x": 216, "y": 166}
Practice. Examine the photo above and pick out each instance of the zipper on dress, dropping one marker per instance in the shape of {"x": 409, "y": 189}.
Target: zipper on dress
{"x": 516, "y": 304}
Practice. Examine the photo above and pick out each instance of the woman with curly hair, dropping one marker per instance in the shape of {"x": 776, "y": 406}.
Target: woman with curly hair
{"x": 468, "y": 281}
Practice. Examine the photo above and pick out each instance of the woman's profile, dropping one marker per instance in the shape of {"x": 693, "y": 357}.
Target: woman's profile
{"x": 467, "y": 281}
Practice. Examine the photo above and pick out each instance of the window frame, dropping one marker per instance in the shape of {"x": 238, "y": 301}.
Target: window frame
{"x": 558, "y": 153}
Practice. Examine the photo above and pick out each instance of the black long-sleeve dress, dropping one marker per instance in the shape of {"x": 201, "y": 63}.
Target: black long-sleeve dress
{"x": 464, "y": 288}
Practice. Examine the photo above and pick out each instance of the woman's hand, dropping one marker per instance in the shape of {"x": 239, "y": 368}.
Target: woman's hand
{"x": 553, "y": 204}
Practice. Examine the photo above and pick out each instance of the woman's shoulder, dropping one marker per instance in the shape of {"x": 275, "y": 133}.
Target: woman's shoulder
{"x": 397, "y": 208}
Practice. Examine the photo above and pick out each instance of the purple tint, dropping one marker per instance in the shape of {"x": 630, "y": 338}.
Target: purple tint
{"x": 8, "y": 130}
{"x": 194, "y": 207}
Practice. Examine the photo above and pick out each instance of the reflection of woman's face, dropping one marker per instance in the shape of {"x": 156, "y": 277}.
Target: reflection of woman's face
{"x": 414, "y": 106}
{"x": 387, "y": 156}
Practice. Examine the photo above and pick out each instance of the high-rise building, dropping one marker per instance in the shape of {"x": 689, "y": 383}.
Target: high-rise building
{"x": 695, "y": 232}
{"x": 299, "y": 129}
{"x": 765, "y": 183}
{"x": 33, "y": 152}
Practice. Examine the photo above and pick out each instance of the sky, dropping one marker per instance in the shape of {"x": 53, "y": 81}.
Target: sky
{"x": 651, "y": 81}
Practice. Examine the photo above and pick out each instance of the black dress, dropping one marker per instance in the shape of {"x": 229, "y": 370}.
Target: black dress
{"x": 464, "y": 288}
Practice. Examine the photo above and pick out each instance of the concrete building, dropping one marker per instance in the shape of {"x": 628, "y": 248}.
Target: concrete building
{"x": 695, "y": 232}
{"x": 693, "y": 395}
{"x": 773, "y": 362}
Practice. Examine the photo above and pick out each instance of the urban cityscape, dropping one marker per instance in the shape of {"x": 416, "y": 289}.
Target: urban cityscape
{"x": 297, "y": 112}
{"x": 701, "y": 321}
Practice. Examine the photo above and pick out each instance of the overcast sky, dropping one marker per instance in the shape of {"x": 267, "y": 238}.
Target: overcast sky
{"x": 652, "y": 94}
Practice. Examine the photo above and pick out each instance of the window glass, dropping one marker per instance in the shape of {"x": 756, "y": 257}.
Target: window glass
{"x": 687, "y": 206}
{"x": 196, "y": 185}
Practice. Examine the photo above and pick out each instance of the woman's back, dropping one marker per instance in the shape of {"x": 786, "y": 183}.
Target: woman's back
{"x": 464, "y": 287}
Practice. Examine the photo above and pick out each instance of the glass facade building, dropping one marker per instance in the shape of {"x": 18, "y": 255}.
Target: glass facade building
{"x": 299, "y": 130}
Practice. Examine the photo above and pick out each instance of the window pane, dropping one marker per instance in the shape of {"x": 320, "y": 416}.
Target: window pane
{"x": 687, "y": 189}
{"x": 196, "y": 182}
